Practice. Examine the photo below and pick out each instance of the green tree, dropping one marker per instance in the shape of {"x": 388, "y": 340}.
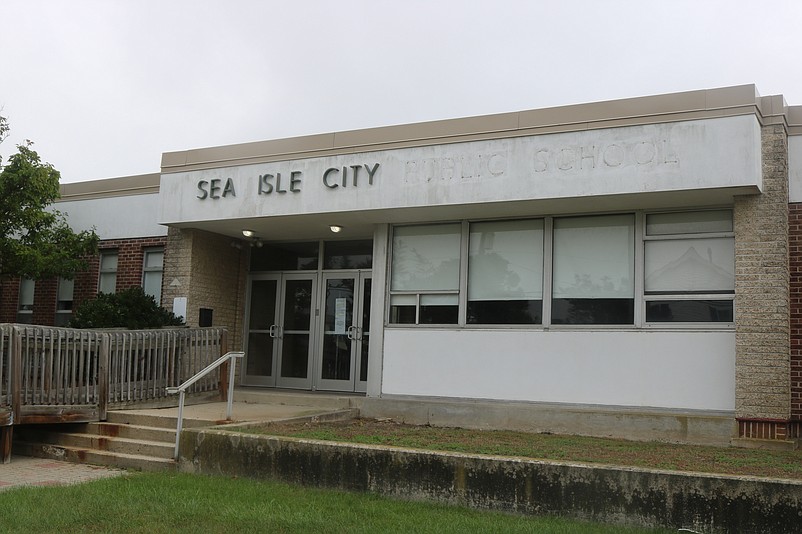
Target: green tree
{"x": 35, "y": 239}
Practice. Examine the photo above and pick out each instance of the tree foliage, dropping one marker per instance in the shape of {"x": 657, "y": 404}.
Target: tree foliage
{"x": 132, "y": 308}
{"x": 35, "y": 239}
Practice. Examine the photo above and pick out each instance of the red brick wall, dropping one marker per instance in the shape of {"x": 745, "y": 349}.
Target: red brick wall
{"x": 795, "y": 259}
{"x": 130, "y": 258}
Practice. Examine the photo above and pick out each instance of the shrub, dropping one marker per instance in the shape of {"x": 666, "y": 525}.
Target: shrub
{"x": 132, "y": 308}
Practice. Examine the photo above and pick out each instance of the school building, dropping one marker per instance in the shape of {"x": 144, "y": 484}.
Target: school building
{"x": 625, "y": 268}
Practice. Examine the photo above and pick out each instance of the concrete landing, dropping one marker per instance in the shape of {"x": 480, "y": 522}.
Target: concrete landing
{"x": 250, "y": 405}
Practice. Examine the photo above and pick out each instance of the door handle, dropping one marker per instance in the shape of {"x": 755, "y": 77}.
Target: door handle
{"x": 274, "y": 331}
{"x": 353, "y": 333}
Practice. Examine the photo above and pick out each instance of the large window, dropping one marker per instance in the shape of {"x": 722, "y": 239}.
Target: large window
{"x": 425, "y": 281}
{"x": 594, "y": 270}
{"x": 631, "y": 269}
{"x": 505, "y": 272}
{"x": 152, "y": 273}
{"x": 107, "y": 282}
{"x": 689, "y": 267}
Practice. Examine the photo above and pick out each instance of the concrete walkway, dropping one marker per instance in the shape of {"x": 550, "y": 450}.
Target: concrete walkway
{"x": 26, "y": 471}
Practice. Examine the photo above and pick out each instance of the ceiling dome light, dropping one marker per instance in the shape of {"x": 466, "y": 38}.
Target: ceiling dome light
{"x": 336, "y": 228}
{"x": 247, "y": 233}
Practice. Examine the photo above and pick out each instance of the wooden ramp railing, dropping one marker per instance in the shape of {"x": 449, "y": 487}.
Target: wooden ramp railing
{"x": 56, "y": 375}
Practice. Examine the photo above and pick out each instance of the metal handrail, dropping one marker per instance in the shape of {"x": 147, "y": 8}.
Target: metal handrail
{"x": 182, "y": 389}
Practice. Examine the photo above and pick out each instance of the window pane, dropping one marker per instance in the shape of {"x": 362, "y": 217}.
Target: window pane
{"x": 505, "y": 272}
{"x": 594, "y": 270}
{"x": 692, "y": 222}
{"x": 592, "y": 311}
{"x": 108, "y": 283}
{"x": 594, "y": 257}
{"x": 26, "y": 290}
{"x": 152, "y": 284}
{"x": 426, "y": 258}
{"x": 65, "y": 292}
{"x": 108, "y": 261}
{"x": 506, "y": 261}
{"x": 505, "y": 312}
{"x": 690, "y": 265}
{"x": 439, "y": 309}
{"x": 348, "y": 254}
{"x": 285, "y": 257}
{"x": 689, "y": 311}
{"x": 154, "y": 259}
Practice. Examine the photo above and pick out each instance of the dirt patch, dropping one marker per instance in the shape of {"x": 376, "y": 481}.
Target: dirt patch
{"x": 732, "y": 461}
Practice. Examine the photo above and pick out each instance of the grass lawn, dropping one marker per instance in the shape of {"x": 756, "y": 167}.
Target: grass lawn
{"x": 166, "y": 503}
{"x": 720, "y": 460}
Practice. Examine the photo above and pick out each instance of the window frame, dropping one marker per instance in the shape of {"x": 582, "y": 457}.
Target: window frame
{"x": 63, "y": 315}
{"x": 146, "y": 270}
{"x": 646, "y": 298}
{"x": 460, "y": 291}
{"x": 25, "y": 315}
{"x": 101, "y": 271}
{"x": 640, "y": 296}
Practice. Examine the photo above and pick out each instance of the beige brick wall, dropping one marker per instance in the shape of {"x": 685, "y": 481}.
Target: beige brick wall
{"x": 210, "y": 273}
{"x": 762, "y": 333}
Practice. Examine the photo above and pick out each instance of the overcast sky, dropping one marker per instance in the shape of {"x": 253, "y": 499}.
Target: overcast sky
{"x": 103, "y": 87}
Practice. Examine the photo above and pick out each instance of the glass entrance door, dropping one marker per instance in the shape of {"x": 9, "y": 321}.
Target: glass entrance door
{"x": 344, "y": 332}
{"x": 280, "y": 324}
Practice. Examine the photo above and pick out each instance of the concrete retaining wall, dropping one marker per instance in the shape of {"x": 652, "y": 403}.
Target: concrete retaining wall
{"x": 601, "y": 493}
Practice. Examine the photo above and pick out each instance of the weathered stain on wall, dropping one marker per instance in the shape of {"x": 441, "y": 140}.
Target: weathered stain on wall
{"x": 618, "y": 495}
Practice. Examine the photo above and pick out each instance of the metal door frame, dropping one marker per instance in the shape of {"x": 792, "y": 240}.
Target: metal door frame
{"x": 260, "y": 380}
{"x": 354, "y": 329}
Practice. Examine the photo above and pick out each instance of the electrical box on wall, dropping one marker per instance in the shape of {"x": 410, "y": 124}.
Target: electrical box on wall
{"x": 205, "y": 316}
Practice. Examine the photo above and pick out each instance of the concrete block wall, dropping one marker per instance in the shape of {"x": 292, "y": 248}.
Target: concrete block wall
{"x": 210, "y": 271}
{"x": 763, "y": 312}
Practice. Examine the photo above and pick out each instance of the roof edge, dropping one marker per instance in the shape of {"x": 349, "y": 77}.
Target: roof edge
{"x": 140, "y": 184}
{"x": 734, "y": 100}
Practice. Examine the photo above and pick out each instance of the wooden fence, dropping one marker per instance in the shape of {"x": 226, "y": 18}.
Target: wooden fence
{"x": 67, "y": 375}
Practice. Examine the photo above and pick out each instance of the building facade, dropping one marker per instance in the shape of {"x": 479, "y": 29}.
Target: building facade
{"x": 624, "y": 268}
{"x": 124, "y": 214}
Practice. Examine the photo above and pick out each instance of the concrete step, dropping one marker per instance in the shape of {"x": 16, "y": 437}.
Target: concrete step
{"x": 94, "y": 457}
{"x": 84, "y": 440}
{"x": 130, "y": 417}
{"x": 148, "y": 433}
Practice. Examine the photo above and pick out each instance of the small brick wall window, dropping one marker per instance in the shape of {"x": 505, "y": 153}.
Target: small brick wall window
{"x": 689, "y": 271}
{"x": 25, "y": 306}
{"x": 107, "y": 282}
{"x": 64, "y": 301}
{"x": 152, "y": 271}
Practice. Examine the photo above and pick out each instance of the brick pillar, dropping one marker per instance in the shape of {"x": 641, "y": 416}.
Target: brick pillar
{"x": 795, "y": 250}
{"x": 762, "y": 332}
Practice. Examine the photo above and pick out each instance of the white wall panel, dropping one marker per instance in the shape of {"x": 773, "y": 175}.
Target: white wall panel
{"x": 680, "y": 370}
{"x": 115, "y": 217}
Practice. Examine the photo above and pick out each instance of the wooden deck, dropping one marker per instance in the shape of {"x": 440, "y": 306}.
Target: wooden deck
{"x": 62, "y": 375}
